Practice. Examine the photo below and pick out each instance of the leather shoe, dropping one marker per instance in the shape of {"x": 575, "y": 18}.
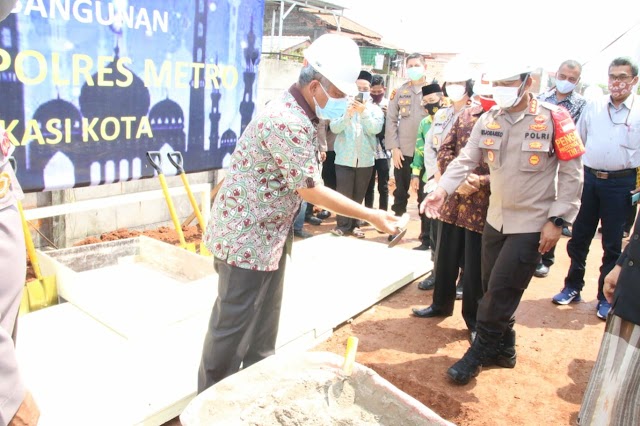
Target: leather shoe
{"x": 312, "y": 220}
{"x": 302, "y": 233}
{"x": 430, "y": 312}
{"x": 428, "y": 283}
{"x": 324, "y": 214}
{"x": 541, "y": 271}
{"x": 421, "y": 247}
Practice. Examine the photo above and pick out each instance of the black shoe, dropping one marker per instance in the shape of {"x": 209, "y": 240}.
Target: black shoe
{"x": 323, "y": 214}
{"x": 430, "y": 312}
{"x": 302, "y": 234}
{"x": 541, "y": 271}
{"x": 312, "y": 220}
{"x": 566, "y": 232}
{"x": 422, "y": 247}
{"x": 428, "y": 283}
{"x": 506, "y": 357}
{"x": 471, "y": 363}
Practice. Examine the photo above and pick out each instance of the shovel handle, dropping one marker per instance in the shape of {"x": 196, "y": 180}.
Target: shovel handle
{"x": 155, "y": 158}
{"x": 175, "y": 158}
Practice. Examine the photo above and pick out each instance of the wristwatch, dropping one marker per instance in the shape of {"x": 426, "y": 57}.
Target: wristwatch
{"x": 557, "y": 221}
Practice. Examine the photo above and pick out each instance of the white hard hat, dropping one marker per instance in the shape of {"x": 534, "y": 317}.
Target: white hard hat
{"x": 336, "y": 57}
{"x": 482, "y": 86}
{"x": 457, "y": 71}
{"x": 506, "y": 71}
{"x": 6, "y": 6}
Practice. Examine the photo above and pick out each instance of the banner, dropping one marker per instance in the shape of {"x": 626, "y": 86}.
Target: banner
{"x": 88, "y": 87}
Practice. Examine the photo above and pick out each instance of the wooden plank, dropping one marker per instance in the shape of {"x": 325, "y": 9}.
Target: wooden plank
{"x": 214, "y": 192}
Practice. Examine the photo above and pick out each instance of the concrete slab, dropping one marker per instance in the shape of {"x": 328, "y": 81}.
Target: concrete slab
{"x": 126, "y": 348}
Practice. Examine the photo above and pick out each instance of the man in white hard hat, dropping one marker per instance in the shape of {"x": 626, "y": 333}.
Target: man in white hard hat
{"x": 272, "y": 169}
{"x": 533, "y": 152}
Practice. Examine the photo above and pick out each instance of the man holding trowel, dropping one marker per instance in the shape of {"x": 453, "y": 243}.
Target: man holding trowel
{"x": 17, "y": 406}
{"x": 272, "y": 169}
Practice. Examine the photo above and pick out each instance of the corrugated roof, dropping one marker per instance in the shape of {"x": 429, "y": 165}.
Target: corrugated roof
{"x": 270, "y": 44}
{"x": 318, "y": 4}
{"x": 348, "y": 25}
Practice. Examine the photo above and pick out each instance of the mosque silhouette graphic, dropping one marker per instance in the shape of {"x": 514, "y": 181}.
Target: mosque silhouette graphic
{"x": 76, "y": 163}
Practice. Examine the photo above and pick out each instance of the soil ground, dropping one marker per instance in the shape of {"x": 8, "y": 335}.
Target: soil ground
{"x": 557, "y": 346}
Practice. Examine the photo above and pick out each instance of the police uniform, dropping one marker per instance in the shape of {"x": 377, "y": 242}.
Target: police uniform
{"x": 529, "y": 184}
{"x": 13, "y": 267}
{"x": 404, "y": 115}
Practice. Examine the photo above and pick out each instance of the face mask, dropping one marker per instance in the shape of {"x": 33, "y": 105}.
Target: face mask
{"x": 564, "y": 86}
{"x": 365, "y": 96}
{"x": 415, "y": 73}
{"x": 432, "y": 108}
{"x": 377, "y": 98}
{"x": 486, "y": 103}
{"x": 506, "y": 97}
{"x": 335, "y": 108}
{"x": 455, "y": 92}
{"x": 620, "y": 88}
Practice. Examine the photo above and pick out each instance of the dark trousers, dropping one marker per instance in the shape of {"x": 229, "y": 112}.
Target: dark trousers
{"x": 244, "y": 321}
{"x": 454, "y": 244}
{"x": 425, "y": 222}
{"x": 607, "y": 201}
{"x": 403, "y": 184}
{"x": 631, "y": 218}
{"x": 329, "y": 170}
{"x": 352, "y": 183}
{"x": 381, "y": 169}
{"x": 508, "y": 263}
{"x": 549, "y": 258}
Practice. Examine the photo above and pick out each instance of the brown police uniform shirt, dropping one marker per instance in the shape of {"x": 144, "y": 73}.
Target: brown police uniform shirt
{"x": 404, "y": 115}
{"x": 470, "y": 211}
{"x": 528, "y": 182}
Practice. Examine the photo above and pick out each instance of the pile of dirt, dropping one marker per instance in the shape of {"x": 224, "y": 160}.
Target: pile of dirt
{"x": 192, "y": 234}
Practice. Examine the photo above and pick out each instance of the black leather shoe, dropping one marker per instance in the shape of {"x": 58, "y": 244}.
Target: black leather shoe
{"x": 302, "y": 234}
{"x": 430, "y": 312}
{"x": 541, "y": 271}
{"x": 312, "y": 220}
{"x": 324, "y": 214}
{"x": 428, "y": 283}
{"x": 421, "y": 247}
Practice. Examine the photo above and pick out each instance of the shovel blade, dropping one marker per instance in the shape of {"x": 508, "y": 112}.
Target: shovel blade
{"x": 38, "y": 294}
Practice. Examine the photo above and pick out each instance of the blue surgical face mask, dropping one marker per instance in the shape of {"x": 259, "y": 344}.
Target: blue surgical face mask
{"x": 335, "y": 107}
{"x": 564, "y": 86}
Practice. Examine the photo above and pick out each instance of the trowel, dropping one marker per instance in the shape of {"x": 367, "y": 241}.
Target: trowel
{"x": 340, "y": 392}
{"x": 402, "y": 230}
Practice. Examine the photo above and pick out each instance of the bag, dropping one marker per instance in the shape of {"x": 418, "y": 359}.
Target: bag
{"x": 567, "y": 142}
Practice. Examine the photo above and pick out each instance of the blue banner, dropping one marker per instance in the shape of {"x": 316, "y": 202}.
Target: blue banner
{"x": 88, "y": 87}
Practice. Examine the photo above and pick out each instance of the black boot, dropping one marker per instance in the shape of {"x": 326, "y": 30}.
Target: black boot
{"x": 506, "y": 357}
{"x": 479, "y": 354}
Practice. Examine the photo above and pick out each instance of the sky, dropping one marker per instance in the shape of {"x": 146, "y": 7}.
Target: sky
{"x": 542, "y": 33}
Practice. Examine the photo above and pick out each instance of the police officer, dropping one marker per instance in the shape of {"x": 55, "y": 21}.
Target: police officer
{"x": 536, "y": 180}
{"x": 403, "y": 118}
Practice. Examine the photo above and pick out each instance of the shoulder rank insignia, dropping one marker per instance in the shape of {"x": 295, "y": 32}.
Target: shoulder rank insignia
{"x": 393, "y": 94}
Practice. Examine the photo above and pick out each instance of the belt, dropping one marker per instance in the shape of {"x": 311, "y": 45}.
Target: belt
{"x": 601, "y": 174}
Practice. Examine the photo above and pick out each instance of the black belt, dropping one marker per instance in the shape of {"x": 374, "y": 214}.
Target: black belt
{"x": 601, "y": 174}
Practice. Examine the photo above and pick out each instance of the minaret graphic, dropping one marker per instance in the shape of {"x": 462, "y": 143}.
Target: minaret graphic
{"x": 234, "y": 10}
{"x": 251, "y": 57}
{"x": 214, "y": 117}
{"x": 12, "y": 105}
{"x": 195, "y": 135}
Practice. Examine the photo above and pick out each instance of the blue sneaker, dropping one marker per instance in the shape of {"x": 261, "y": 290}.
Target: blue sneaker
{"x": 603, "y": 309}
{"x": 566, "y": 296}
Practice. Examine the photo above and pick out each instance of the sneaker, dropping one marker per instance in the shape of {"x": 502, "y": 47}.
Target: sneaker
{"x": 566, "y": 296}
{"x": 566, "y": 232}
{"x": 313, "y": 220}
{"x": 324, "y": 214}
{"x": 603, "y": 309}
{"x": 541, "y": 271}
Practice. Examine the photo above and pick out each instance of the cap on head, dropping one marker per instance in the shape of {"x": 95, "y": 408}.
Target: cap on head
{"x": 507, "y": 71}
{"x": 365, "y": 75}
{"x": 431, "y": 88}
{"x": 337, "y": 58}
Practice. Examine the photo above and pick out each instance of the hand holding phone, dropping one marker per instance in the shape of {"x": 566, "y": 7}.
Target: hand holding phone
{"x": 359, "y": 97}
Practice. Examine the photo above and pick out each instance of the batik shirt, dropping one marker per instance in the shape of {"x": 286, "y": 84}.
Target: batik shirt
{"x": 10, "y": 190}
{"x": 574, "y": 103}
{"x": 254, "y": 210}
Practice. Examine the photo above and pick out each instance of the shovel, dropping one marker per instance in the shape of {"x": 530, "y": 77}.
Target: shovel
{"x": 341, "y": 393}
{"x": 176, "y": 159}
{"x": 155, "y": 158}
{"x": 42, "y": 291}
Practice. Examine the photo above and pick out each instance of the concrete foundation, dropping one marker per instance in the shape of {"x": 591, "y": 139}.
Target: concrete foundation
{"x": 125, "y": 345}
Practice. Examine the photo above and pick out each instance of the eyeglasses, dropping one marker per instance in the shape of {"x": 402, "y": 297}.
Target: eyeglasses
{"x": 621, "y": 77}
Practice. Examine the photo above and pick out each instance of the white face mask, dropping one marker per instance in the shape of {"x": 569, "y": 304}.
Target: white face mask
{"x": 564, "y": 86}
{"x": 365, "y": 96}
{"x": 506, "y": 97}
{"x": 455, "y": 92}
